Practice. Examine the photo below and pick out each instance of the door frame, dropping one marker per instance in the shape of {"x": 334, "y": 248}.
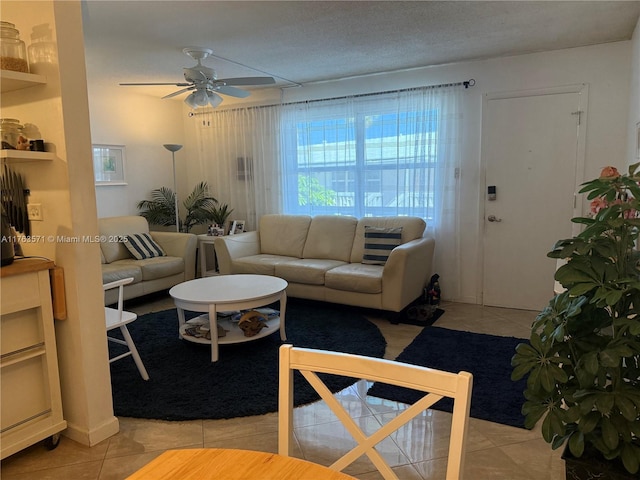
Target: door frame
{"x": 581, "y": 129}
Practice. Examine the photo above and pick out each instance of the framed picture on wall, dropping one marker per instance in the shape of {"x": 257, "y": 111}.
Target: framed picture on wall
{"x": 108, "y": 165}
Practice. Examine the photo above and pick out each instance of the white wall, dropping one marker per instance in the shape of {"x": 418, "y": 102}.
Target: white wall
{"x": 634, "y": 99}
{"x": 606, "y": 68}
{"x": 117, "y": 117}
{"x": 142, "y": 123}
{"x": 64, "y": 187}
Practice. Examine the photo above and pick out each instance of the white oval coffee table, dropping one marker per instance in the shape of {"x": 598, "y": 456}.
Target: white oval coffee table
{"x": 224, "y": 293}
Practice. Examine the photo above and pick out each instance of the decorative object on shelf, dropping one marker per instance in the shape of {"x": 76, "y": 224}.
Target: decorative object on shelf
{"x": 160, "y": 210}
{"x": 10, "y": 131}
{"x": 42, "y": 50}
{"x": 108, "y": 165}
{"x": 36, "y": 145}
{"x": 13, "y": 52}
{"x": 583, "y": 361}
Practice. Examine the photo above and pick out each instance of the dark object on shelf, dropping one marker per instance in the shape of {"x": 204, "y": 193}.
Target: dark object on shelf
{"x": 7, "y": 241}
{"x": 593, "y": 465}
{"x": 14, "y": 202}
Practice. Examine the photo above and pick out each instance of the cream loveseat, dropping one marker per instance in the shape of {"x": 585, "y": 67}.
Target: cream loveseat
{"x": 149, "y": 274}
{"x": 322, "y": 258}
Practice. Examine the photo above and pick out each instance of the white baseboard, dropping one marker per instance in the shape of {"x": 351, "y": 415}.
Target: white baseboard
{"x": 96, "y": 435}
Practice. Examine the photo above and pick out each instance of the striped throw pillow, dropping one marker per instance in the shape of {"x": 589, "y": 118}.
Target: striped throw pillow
{"x": 142, "y": 246}
{"x": 378, "y": 243}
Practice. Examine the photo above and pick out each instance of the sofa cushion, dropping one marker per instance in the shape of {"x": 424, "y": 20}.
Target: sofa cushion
{"x": 284, "y": 234}
{"x": 142, "y": 246}
{"x": 114, "y": 229}
{"x": 330, "y": 237}
{"x": 412, "y": 228}
{"x": 378, "y": 243}
{"x": 262, "y": 264}
{"x": 309, "y": 271}
{"x": 157, "y": 267}
{"x": 117, "y": 271}
{"x": 355, "y": 277}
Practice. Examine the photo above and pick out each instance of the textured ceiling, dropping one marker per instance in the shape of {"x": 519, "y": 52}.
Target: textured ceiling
{"x": 310, "y": 41}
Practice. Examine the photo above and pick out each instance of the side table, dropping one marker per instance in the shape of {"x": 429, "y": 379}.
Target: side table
{"x": 203, "y": 241}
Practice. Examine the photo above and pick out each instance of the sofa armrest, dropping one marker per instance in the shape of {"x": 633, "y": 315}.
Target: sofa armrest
{"x": 179, "y": 245}
{"x": 406, "y": 273}
{"x": 232, "y": 247}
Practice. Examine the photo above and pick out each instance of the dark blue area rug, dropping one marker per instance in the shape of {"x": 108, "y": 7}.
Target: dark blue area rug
{"x": 495, "y": 397}
{"x": 185, "y": 385}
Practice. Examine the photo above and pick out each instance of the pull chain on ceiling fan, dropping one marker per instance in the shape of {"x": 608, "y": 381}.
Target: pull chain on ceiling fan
{"x": 204, "y": 85}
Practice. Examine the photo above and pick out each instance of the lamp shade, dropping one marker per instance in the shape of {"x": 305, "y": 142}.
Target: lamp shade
{"x": 172, "y": 147}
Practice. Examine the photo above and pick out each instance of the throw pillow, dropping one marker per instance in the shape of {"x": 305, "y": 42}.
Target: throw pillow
{"x": 378, "y": 243}
{"x": 142, "y": 246}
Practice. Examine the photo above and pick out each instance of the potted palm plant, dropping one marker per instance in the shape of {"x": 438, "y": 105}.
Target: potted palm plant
{"x": 220, "y": 214}
{"x": 160, "y": 210}
{"x": 583, "y": 358}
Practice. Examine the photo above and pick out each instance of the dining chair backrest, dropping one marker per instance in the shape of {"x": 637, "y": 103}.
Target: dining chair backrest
{"x": 435, "y": 384}
{"x": 119, "y": 318}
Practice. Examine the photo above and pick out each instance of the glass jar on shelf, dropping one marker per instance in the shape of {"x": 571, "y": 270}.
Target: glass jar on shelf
{"x": 13, "y": 51}
{"x": 10, "y": 131}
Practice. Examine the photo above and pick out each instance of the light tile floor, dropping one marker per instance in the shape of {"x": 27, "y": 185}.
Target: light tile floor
{"x": 417, "y": 452}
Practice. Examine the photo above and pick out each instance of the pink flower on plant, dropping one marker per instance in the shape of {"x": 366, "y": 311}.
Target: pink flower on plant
{"x": 609, "y": 173}
{"x": 598, "y": 204}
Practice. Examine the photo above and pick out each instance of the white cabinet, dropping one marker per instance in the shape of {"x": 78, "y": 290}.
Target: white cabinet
{"x": 29, "y": 380}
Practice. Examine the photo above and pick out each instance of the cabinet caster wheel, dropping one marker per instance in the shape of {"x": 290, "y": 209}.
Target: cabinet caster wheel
{"x": 52, "y": 442}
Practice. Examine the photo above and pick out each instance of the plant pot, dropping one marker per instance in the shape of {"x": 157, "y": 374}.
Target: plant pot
{"x": 592, "y": 465}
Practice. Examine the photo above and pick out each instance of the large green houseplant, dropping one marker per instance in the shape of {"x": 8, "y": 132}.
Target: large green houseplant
{"x": 583, "y": 359}
{"x": 160, "y": 210}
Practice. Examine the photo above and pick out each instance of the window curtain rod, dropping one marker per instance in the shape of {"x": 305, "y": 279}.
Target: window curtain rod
{"x": 467, "y": 83}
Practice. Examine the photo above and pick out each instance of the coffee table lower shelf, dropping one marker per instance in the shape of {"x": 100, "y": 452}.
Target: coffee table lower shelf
{"x": 233, "y": 333}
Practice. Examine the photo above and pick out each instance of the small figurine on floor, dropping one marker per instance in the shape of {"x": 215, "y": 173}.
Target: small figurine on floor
{"x": 433, "y": 290}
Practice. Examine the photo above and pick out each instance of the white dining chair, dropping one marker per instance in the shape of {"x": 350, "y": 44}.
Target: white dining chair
{"x": 119, "y": 318}
{"x": 434, "y": 383}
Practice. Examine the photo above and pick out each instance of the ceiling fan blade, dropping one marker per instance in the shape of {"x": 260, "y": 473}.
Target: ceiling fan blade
{"x": 192, "y": 87}
{"x": 232, "y": 91}
{"x": 181, "y": 84}
{"x": 248, "y": 81}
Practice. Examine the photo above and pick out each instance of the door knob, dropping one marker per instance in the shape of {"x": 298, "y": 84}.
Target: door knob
{"x": 492, "y": 218}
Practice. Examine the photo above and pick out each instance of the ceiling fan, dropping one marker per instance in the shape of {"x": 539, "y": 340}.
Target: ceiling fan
{"x": 204, "y": 85}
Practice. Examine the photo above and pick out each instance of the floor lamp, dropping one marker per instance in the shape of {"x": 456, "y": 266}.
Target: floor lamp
{"x": 173, "y": 148}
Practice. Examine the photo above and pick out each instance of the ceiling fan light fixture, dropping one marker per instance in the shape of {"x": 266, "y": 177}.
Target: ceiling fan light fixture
{"x": 191, "y": 101}
{"x": 214, "y": 99}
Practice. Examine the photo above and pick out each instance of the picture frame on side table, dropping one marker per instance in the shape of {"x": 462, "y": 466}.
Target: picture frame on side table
{"x": 237, "y": 226}
{"x": 108, "y": 165}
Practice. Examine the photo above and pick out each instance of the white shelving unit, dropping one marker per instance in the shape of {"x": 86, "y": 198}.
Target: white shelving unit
{"x": 10, "y": 80}
{"x": 21, "y": 156}
{"x": 30, "y": 388}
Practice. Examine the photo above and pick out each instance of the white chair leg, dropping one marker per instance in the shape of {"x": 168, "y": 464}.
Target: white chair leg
{"x": 134, "y": 352}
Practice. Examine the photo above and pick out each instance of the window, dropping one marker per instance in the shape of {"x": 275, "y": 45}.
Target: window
{"x": 368, "y": 159}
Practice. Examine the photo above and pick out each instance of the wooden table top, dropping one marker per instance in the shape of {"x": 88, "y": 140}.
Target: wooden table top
{"x": 232, "y": 464}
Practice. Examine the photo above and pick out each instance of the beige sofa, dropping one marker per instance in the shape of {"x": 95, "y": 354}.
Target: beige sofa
{"x": 150, "y": 274}
{"x": 321, "y": 258}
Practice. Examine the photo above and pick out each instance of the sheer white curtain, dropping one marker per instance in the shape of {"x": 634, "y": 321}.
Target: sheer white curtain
{"x": 238, "y": 152}
{"x": 388, "y": 154}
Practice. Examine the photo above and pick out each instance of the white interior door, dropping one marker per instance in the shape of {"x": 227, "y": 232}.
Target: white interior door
{"x": 532, "y": 156}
